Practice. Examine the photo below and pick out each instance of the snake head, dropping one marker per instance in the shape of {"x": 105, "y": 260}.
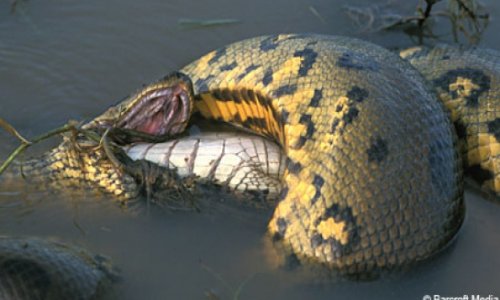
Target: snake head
{"x": 162, "y": 108}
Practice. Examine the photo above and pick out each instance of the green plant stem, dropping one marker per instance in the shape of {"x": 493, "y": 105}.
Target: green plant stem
{"x": 25, "y": 143}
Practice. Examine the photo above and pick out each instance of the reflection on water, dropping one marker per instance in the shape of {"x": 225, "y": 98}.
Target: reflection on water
{"x": 71, "y": 59}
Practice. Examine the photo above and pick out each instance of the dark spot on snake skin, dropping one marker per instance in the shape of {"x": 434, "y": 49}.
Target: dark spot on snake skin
{"x": 237, "y": 118}
{"x": 332, "y": 211}
{"x": 218, "y": 54}
{"x": 217, "y": 94}
{"x": 351, "y": 114}
{"x": 201, "y": 84}
{"x": 341, "y": 214}
{"x": 306, "y": 119}
{"x": 310, "y": 129}
{"x": 228, "y": 67}
{"x": 357, "y": 94}
{"x": 316, "y": 240}
{"x": 248, "y": 69}
{"x": 34, "y": 278}
{"x": 339, "y": 108}
{"x": 378, "y": 150}
{"x": 479, "y": 174}
{"x": 336, "y": 247}
{"x": 282, "y": 225}
{"x": 251, "y": 94}
{"x": 288, "y": 89}
{"x": 276, "y": 237}
{"x": 232, "y": 95}
{"x": 335, "y": 124}
{"x": 308, "y": 59}
{"x": 478, "y": 77}
{"x": 268, "y": 77}
{"x": 248, "y": 95}
{"x": 253, "y": 122}
{"x": 345, "y": 61}
{"x": 263, "y": 101}
{"x": 237, "y": 96}
{"x": 227, "y": 95}
{"x": 294, "y": 167}
{"x": 357, "y": 61}
{"x": 461, "y": 130}
{"x": 300, "y": 143}
{"x": 269, "y": 43}
{"x": 318, "y": 182}
{"x": 316, "y": 98}
{"x": 284, "y": 116}
{"x": 445, "y": 57}
{"x": 494, "y": 128}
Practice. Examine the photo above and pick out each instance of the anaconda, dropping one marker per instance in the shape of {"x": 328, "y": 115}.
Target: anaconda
{"x": 373, "y": 175}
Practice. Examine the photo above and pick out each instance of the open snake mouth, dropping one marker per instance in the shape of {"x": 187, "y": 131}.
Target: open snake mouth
{"x": 160, "y": 112}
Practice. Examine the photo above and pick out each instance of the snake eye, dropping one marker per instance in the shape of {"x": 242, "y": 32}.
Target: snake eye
{"x": 161, "y": 109}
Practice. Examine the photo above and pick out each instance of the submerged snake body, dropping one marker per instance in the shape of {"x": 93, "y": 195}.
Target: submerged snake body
{"x": 37, "y": 269}
{"x": 372, "y": 177}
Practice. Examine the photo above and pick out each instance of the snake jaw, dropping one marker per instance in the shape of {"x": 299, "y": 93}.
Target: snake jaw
{"x": 161, "y": 109}
{"x": 164, "y": 111}
{"x": 176, "y": 115}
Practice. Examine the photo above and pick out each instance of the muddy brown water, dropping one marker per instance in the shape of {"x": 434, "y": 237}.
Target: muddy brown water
{"x": 70, "y": 59}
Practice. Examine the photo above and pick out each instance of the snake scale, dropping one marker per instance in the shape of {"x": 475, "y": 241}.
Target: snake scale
{"x": 371, "y": 174}
{"x": 43, "y": 269}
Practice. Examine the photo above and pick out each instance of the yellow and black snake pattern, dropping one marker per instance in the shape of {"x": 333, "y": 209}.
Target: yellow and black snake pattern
{"x": 373, "y": 174}
{"x": 373, "y": 177}
{"x": 467, "y": 81}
